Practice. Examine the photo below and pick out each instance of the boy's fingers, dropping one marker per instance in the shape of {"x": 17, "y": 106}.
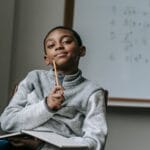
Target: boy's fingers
{"x": 58, "y": 95}
{"x": 58, "y": 88}
{"x": 58, "y": 100}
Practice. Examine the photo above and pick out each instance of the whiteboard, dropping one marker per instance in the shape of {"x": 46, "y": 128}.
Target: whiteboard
{"x": 116, "y": 34}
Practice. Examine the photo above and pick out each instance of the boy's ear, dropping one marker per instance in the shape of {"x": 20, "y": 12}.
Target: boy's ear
{"x": 47, "y": 61}
{"x": 82, "y": 51}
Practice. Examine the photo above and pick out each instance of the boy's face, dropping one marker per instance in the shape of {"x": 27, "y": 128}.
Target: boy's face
{"x": 62, "y": 47}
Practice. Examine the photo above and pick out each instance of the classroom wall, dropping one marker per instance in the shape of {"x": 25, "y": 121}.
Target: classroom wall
{"x": 128, "y": 129}
{"x": 6, "y": 30}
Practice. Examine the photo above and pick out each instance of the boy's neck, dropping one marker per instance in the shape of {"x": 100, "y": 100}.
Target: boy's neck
{"x": 68, "y": 72}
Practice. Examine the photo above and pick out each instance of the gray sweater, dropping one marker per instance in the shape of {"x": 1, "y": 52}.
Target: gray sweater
{"x": 82, "y": 116}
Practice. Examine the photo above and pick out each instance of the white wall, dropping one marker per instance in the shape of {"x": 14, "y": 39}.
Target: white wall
{"x": 6, "y": 30}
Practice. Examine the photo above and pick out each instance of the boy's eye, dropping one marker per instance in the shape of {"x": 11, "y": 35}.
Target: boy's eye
{"x": 50, "y": 46}
{"x": 67, "y": 40}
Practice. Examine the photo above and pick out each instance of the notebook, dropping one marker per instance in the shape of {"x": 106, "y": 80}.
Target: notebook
{"x": 51, "y": 138}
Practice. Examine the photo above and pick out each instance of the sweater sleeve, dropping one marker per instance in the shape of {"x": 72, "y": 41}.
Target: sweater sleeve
{"x": 95, "y": 126}
{"x": 25, "y": 110}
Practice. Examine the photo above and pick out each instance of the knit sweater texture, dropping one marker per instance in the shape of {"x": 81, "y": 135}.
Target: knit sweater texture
{"x": 81, "y": 117}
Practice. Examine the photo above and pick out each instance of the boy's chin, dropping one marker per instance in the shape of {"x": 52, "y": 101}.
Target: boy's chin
{"x": 62, "y": 62}
{"x": 63, "y": 65}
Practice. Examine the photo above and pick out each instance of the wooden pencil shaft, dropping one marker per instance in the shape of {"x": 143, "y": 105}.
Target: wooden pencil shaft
{"x": 56, "y": 74}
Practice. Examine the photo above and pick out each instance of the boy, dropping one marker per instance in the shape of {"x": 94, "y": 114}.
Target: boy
{"x": 74, "y": 108}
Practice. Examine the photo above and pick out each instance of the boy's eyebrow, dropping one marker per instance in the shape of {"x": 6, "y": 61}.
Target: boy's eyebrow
{"x": 67, "y": 36}
{"x": 51, "y": 39}
{"x": 48, "y": 40}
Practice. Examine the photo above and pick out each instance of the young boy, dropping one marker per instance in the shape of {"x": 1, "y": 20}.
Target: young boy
{"x": 74, "y": 108}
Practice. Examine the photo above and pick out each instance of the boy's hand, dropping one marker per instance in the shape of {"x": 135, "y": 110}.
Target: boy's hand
{"x": 56, "y": 98}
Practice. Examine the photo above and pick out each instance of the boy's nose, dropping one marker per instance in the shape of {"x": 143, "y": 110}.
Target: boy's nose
{"x": 59, "y": 47}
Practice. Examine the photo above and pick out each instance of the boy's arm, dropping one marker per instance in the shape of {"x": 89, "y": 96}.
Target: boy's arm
{"x": 95, "y": 126}
{"x": 19, "y": 115}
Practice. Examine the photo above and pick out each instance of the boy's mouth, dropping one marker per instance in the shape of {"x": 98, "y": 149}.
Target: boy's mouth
{"x": 62, "y": 54}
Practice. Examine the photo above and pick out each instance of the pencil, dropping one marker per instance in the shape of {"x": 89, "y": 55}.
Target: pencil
{"x": 56, "y": 74}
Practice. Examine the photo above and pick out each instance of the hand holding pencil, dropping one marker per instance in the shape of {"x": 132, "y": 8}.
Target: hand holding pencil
{"x": 56, "y": 97}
